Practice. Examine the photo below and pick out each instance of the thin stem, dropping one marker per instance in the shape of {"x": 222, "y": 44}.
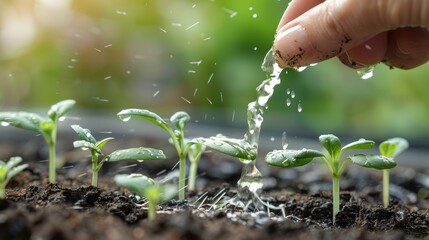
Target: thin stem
{"x": 95, "y": 168}
{"x": 52, "y": 162}
{"x": 151, "y": 210}
{"x": 335, "y": 196}
{"x": 182, "y": 176}
{"x": 386, "y": 188}
{"x": 192, "y": 175}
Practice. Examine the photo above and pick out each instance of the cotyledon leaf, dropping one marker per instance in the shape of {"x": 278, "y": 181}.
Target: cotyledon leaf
{"x": 393, "y": 147}
{"x": 24, "y": 120}
{"x": 60, "y": 109}
{"x": 84, "y": 134}
{"x": 361, "y": 144}
{"x": 291, "y": 158}
{"x": 140, "y": 153}
{"x": 126, "y": 114}
{"x": 229, "y": 146}
{"x": 373, "y": 161}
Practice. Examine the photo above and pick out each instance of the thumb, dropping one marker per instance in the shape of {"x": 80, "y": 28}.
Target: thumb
{"x": 334, "y": 26}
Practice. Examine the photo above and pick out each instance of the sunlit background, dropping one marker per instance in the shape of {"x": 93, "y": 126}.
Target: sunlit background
{"x": 201, "y": 56}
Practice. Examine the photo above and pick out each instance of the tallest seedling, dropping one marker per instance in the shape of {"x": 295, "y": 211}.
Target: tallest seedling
{"x": 177, "y": 135}
{"x": 46, "y": 126}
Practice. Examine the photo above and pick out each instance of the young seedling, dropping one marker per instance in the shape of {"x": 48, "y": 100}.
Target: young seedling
{"x": 177, "y": 135}
{"x": 9, "y": 170}
{"x": 148, "y": 188}
{"x": 46, "y": 126}
{"x": 333, "y": 160}
{"x": 194, "y": 155}
{"x": 390, "y": 149}
{"x": 88, "y": 142}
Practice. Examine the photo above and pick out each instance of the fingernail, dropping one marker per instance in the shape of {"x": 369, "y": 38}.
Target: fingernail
{"x": 290, "y": 45}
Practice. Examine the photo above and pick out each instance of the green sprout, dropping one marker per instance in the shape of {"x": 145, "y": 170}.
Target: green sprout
{"x": 194, "y": 154}
{"x": 88, "y": 142}
{"x": 390, "y": 148}
{"x": 333, "y": 160}
{"x": 177, "y": 135}
{"x": 46, "y": 126}
{"x": 148, "y": 188}
{"x": 9, "y": 170}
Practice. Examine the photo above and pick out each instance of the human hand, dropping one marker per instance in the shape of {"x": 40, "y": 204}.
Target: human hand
{"x": 360, "y": 33}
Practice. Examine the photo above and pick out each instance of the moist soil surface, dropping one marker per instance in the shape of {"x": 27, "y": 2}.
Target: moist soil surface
{"x": 300, "y": 200}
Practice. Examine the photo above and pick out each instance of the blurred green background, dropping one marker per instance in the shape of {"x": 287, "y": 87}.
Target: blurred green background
{"x": 199, "y": 56}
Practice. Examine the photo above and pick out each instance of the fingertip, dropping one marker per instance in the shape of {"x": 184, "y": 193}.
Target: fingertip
{"x": 295, "y": 9}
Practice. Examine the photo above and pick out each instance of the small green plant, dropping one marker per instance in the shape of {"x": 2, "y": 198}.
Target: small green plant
{"x": 7, "y": 171}
{"x": 88, "y": 142}
{"x": 46, "y": 126}
{"x": 194, "y": 154}
{"x": 390, "y": 148}
{"x": 333, "y": 160}
{"x": 148, "y": 188}
{"x": 177, "y": 135}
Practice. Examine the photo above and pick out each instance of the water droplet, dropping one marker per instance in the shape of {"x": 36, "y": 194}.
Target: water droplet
{"x": 250, "y": 8}
{"x": 125, "y": 118}
{"x": 299, "y": 106}
{"x": 61, "y": 119}
{"x": 255, "y": 15}
{"x": 4, "y": 124}
{"x": 272, "y": 139}
{"x": 140, "y": 161}
{"x": 285, "y": 141}
{"x": 255, "y": 48}
{"x": 292, "y": 94}
{"x": 84, "y": 148}
{"x": 366, "y": 72}
{"x": 288, "y": 102}
{"x": 288, "y": 91}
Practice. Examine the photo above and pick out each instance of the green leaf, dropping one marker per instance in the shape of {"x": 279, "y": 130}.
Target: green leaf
{"x": 393, "y": 147}
{"x": 180, "y": 119}
{"x": 360, "y": 144}
{"x": 137, "y": 183}
{"x": 373, "y": 161}
{"x": 84, "y": 134}
{"x": 195, "y": 151}
{"x": 229, "y": 146}
{"x": 24, "y": 120}
{"x": 291, "y": 158}
{"x": 85, "y": 145}
{"x": 103, "y": 142}
{"x": 136, "y": 154}
{"x": 60, "y": 109}
{"x": 126, "y": 114}
{"x": 332, "y": 144}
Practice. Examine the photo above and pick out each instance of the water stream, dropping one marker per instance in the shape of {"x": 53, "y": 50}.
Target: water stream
{"x": 251, "y": 178}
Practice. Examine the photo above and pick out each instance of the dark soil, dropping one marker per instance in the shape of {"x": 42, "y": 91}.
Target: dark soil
{"x": 35, "y": 209}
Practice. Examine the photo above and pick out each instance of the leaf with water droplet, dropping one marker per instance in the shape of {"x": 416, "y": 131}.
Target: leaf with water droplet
{"x": 361, "y": 144}
{"x": 373, "y": 161}
{"x": 60, "y": 109}
{"x": 180, "y": 119}
{"x": 24, "y": 120}
{"x": 126, "y": 114}
{"x": 135, "y": 182}
{"x": 291, "y": 158}
{"x": 85, "y": 145}
{"x": 140, "y": 153}
{"x": 229, "y": 146}
{"x": 84, "y": 134}
{"x": 393, "y": 147}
